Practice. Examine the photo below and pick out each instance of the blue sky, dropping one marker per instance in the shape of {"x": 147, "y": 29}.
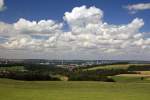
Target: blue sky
{"x": 114, "y": 12}
{"x": 115, "y": 29}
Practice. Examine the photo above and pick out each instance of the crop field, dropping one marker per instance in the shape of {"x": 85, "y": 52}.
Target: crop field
{"x": 131, "y": 79}
{"x": 14, "y": 68}
{"x": 60, "y": 90}
{"x": 144, "y": 72}
{"x": 119, "y": 66}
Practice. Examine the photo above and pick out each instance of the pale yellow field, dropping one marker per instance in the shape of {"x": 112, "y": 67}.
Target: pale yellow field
{"x": 144, "y": 72}
{"x": 139, "y": 74}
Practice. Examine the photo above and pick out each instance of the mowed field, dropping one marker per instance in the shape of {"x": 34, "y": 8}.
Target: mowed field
{"x": 118, "y": 66}
{"x": 61, "y": 90}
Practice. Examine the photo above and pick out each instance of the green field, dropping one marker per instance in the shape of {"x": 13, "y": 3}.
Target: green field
{"x": 129, "y": 79}
{"x": 126, "y": 87}
{"x": 115, "y": 66}
{"x": 60, "y": 90}
{"x": 119, "y": 66}
{"x": 14, "y": 68}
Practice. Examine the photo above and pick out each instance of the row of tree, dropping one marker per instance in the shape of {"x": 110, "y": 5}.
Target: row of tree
{"x": 47, "y": 72}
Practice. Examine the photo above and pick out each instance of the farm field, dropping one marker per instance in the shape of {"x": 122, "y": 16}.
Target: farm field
{"x": 14, "y": 68}
{"x": 131, "y": 78}
{"x": 119, "y": 66}
{"x": 60, "y": 90}
{"x": 116, "y": 66}
{"x": 137, "y": 74}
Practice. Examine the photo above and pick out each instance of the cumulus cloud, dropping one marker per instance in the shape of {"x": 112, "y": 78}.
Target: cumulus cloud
{"x": 25, "y": 34}
{"x": 33, "y": 27}
{"x": 2, "y": 7}
{"x": 88, "y": 34}
{"x": 81, "y": 17}
{"x": 138, "y": 7}
{"x": 99, "y": 35}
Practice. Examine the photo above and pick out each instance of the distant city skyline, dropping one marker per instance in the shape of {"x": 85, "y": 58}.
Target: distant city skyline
{"x": 75, "y": 29}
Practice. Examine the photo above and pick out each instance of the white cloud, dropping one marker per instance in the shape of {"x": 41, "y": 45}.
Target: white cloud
{"x": 138, "y": 7}
{"x": 98, "y": 34}
{"x": 33, "y": 27}
{"x": 81, "y": 17}
{"x": 88, "y": 35}
{"x": 2, "y": 7}
{"x": 22, "y": 34}
{"x": 5, "y": 29}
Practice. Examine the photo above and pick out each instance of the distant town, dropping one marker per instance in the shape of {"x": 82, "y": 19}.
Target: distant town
{"x": 69, "y": 63}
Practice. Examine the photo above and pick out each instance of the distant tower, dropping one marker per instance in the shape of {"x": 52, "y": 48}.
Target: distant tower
{"x": 6, "y": 61}
{"x": 101, "y": 61}
{"x": 97, "y": 62}
{"x": 62, "y": 62}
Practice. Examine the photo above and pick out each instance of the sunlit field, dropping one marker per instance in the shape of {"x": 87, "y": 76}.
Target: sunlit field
{"x": 60, "y": 90}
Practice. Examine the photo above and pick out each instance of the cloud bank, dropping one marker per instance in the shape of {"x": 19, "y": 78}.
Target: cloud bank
{"x": 2, "y": 7}
{"x": 88, "y": 36}
{"x": 138, "y": 7}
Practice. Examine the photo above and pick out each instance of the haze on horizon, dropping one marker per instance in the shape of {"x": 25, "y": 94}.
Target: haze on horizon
{"x": 78, "y": 29}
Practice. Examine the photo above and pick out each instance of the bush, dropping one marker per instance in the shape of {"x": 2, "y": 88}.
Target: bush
{"x": 139, "y": 68}
{"x": 29, "y": 76}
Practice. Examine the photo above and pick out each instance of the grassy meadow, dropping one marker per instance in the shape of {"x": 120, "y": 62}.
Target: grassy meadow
{"x": 126, "y": 87}
{"x": 116, "y": 66}
{"x": 56, "y": 90}
{"x": 107, "y": 67}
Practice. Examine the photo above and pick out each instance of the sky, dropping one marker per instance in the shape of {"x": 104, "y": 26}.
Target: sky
{"x": 75, "y": 29}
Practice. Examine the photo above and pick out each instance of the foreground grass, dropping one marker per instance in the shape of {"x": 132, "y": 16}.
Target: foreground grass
{"x": 48, "y": 90}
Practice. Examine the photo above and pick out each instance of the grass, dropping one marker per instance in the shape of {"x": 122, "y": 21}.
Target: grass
{"x": 118, "y": 66}
{"x": 48, "y": 90}
{"x": 14, "y": 68}
{"x": 125, "y": 88}
{"x": 141, "y": 76}
{"x": 144, "y": 72}
{"x": 129, "y": 79}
